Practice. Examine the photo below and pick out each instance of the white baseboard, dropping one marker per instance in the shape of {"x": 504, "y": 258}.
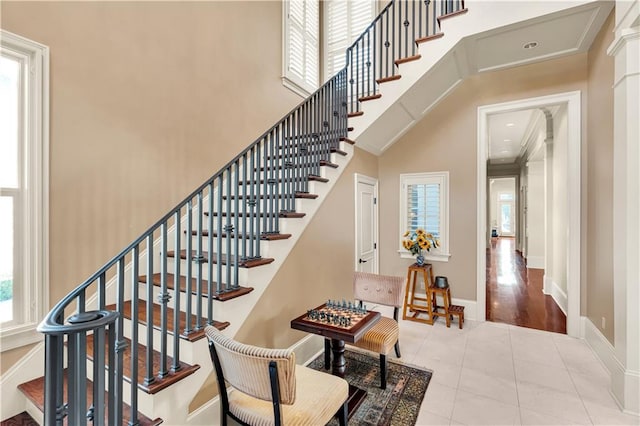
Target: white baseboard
{"x": 470, "y": 310}
{"x": 559, "y": 295}
{"x": 625, "y": 384}
{"x": 535, "y": 262}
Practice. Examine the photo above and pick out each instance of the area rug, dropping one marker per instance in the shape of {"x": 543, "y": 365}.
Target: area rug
{"x": 398, "y": 405}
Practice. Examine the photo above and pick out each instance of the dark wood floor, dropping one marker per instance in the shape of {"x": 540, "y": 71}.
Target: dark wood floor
{"x": 22, "y": 419}
{"x": 514, "y": 293}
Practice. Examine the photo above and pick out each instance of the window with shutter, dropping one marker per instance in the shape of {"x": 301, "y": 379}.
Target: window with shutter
{"x": 344, "y": 20}
{"x": 301, "y": 46}
{"x": 424, "y": 203}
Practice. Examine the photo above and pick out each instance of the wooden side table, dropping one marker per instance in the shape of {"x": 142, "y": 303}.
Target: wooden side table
{"x": 441, "y": 311}
{"x": 424, "y": 303}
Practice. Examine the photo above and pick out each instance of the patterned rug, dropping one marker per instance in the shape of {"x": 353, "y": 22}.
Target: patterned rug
{"x": 398, "y": 405}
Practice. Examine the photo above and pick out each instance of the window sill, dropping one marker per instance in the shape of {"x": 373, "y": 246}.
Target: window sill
{"x": 434, "y": 257}
{"x": 296, "y": 88}
{"x": 18, "y": 336}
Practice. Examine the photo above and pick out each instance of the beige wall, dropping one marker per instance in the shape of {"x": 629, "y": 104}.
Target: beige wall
{"x": 535, "y": 254}
{"x": 599, "y": 197}
{"x": 446, "y": 140}
{"x": 557, "y": 233}
{"x": 148, "y": 99}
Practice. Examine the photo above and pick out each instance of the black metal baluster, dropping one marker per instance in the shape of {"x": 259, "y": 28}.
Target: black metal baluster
{"x": 254, "y": 240}
{"x": 243, "y": 233}
{"x": 210, "y": 281}
{"x": 387, "y": 44}
{"x": 236, "y": 228}
{"x": 368, "y": 63}
{"x": 188, "y": 294}
{"x": 406, "y": 29}
{"x": 76, "y": 380}
{"x": 199, "y": 324}
{"x": 176, "y": 291}
{"x": 164, "y": 298}
{"x": 256, "y": 198}
{"x": 228, "y": 229}
{"x": 413, "y": 27}
{"x": 116, "y": 371}
{"x": 148, "y": 379}
{"x": 111, "y": 378}
{"x": 135, "y": 258}
{"x": 373, "y": 60}
{"x": 98, "y": 374}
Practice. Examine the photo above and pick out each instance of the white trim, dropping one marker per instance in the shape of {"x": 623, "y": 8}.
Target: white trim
{"x": 572, "y": 99}
{"x": 36, "y": 199}
{"x": 535, "y": 262}
{"x": 557, "y": 294}
{"x": 357, "y": 177}
{"x": 441, "y": 254}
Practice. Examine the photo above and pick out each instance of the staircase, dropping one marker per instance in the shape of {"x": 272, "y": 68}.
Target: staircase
{"x": 135, "y": 329}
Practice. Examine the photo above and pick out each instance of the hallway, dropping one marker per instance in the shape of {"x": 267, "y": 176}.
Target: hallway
{"x": 514, "y": 293}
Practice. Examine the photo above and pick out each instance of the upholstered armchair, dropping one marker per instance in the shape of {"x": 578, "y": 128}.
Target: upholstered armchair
{"x": 378, "y": 290}
{"x": 268, "y": 388}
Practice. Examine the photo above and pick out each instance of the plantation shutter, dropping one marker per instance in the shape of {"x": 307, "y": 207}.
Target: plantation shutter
{"x": 345, "y": 20}
{"x": 423, "y": 207}
{"x": 302, "y": 38}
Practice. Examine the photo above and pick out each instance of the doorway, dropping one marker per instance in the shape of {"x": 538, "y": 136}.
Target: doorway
{"x": 366, "y": 220}
{"x": 569, "y": 300}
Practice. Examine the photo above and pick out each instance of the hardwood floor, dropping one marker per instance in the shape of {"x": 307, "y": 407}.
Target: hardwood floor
{"x": 514, "y": 293}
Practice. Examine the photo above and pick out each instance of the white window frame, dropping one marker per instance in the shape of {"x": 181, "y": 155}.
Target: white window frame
{"x": 289, "y": 80}
{"x": 33, "y": 196}
{"x": 350, "y": 36}
{"x": 440, "y": 254}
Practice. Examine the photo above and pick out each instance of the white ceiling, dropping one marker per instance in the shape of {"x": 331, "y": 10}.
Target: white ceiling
{"x": 508, "y": 133}
{"x": 567, "y": 32}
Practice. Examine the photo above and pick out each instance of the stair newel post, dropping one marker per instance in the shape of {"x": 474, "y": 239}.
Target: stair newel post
{"x": 148, "y": 378}
{"x": 76, "y": 381}
{"x": 228, "y": 228}
{"x": 198, "y": 324}
{"x": 135, "y": 288}
{"x": 111, "y": 378}
{"x": 116, "y": 363}
{"x": 220, "y": 233}
{"x": 176, "y": 292}
{"x": 236, "y": 228}
{"x": 98, "y": 376}
{"x": 189, "y": 272}
{"x": 164, "y": 298}
{"x": 210, "y": 282}
{"x": 53, "y": 382}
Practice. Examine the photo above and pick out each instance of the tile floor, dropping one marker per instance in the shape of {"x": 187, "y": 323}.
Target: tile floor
{"x": 498, "y": 374}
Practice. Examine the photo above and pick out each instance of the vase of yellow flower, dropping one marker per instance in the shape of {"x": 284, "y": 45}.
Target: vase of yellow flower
{"x": 418, "y": 240}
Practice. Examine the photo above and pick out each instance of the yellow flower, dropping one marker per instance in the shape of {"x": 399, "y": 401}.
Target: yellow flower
{"x": 407, "y": 244}
{"x": 420, "y": 231}
{"x": 406, "y": 234}
{"x": 430, "y": 236}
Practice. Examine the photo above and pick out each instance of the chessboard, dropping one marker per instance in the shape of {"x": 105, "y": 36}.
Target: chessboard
{"x": 341, "y": 315}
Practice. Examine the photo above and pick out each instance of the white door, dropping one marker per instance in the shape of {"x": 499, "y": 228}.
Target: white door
{"x": 366, "y": 224}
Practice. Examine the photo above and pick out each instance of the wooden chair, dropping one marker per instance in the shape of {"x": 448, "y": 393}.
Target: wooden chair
{"x": 268, "y": 388}
{"x": 380, "y": 290}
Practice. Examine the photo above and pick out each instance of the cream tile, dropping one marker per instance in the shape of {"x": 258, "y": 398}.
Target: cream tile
{"x": 426, "y": 418}
{"x": 531, "y": 418}
{"x": 578, "y": 356}
{"x": 491, "y": 364}
{"x": 544, "y": 375}
{"x": 607, "y": 416}
{"x": 594, "y": 389}
{"x": 535, "y": 346}
{"x": 446, "y": 374}
{"x": 490, "y": 386}
{"x": 439, "y": 400}
{"x": 544, "y": 400}
{"x": 472, "y": 409}
{"x": 436, "y": 352}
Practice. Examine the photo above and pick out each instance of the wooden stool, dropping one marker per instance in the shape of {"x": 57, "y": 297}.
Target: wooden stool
{"x": 410, "y": 302}
{"x": 459, "y": 311}
{"x": 441, "y": 311}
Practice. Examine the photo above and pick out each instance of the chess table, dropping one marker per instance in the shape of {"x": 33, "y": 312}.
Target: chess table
{"x": 339, "y": 334}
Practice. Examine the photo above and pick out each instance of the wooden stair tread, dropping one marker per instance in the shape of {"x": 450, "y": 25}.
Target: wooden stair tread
{"x": 34, "y": 390}
{"x": 159, "y": 383}
{"x": 355, "y": 114}
{"x": 282, "y": 215}
{"x": 303, "y": 195}
{"x": 264, "y": 237}
{"x": 452, "y": 14}
{"x": 286, "y": 180}
{"x": 390, "y": 78}
{"x": 142, "y": 319}
{"x": 407, "y": 59}
{"x": 156, "y": 280}
{"x": 347, "y": 140}
{"x": 20, "y": 419}
{"x": 250, "y": 263}
{"x": 370, "y": 97}
{"x": 429, "y": 38}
